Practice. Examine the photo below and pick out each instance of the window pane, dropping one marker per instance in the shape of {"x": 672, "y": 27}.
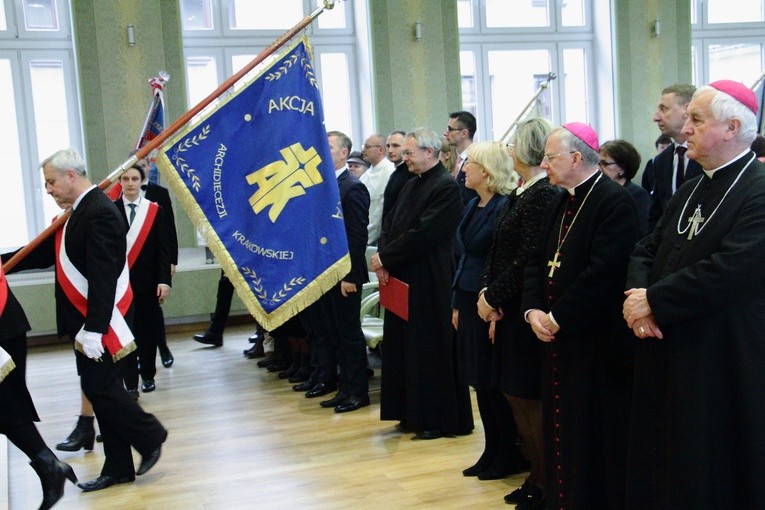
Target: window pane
{"x": 40, "y": 15}
{"x": 3, "y": 25}
{"x": 334, "y": 18}
{"x": 51, "y": 116}
{"x": 515, "y": 77}
{"x": 465, "y": 14}
{"x": 197, "y": 14}
{"x": 572, "y": 13}
{"x": 522, "y": 13}
{"x": 202, "y": 73}
{"x": 336, "y": 92}
{"x": 735, "y": 11}
{"x": 575, "y": 85}
{"x": 740, "y": 62}
{"x": 249, "y": 15}
{"x": 12, "y": 190}
{"x": 467, "y": 75}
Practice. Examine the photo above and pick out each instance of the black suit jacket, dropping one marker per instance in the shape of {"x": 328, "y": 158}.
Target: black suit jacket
{"x": 152, "y": 266}
{"x": 161, "y": 196}
{"x": 663, "y": 171}
{"x": 398, "y": 178}
{"x": 95, "y": 244}
{"x": 354, "y": 199}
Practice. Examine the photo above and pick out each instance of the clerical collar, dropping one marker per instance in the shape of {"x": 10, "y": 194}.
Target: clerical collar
{"x": 340, "y": 170}
{"x": 710, "y": 173}
{"x": 79, "y": 199}
{"x": 526, "y": 185}
{"x": 572, "y": 191}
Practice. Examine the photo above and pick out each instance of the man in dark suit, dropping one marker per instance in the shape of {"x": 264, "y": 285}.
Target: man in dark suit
{"x": 94, "y": 309}
{"x": 149, "y": 256}
{"x": 17, "y": 412}
{"x": 573, "y": 286}
{"x": 400, "y": 176}
{"x": 341, "y": 305}
{"x": 670, "y": 116}
{"x": 160, "y": 195}
{"x": 460, "y": 131}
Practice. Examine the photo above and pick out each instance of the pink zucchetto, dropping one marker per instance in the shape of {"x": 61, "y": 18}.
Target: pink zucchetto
{"x": 737, "y": 91}
{"x": 585, "y": 133}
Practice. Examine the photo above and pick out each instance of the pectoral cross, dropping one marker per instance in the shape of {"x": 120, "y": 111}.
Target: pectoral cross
{"x": 553, "y": 264}
{"x": 695, "y": 221}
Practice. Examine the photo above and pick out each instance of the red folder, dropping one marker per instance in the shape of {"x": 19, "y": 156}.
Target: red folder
{"x": 395, "y": 297}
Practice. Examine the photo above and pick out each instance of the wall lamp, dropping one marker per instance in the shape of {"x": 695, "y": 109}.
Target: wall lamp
{"x": 656, "y": 28}
{"x": 131, "y": 35}
{"x": 418, "y": 31}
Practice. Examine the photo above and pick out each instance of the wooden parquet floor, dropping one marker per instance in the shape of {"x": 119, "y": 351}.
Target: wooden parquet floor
{"x": 242, "y": 439}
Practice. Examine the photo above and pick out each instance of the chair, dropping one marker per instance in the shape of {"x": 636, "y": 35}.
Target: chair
{"x": 372, "y": 315}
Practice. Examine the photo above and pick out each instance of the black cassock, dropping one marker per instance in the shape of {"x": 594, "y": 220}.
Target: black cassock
{"x": 698, "y": 423}
{"x": 418, "y": 382}
{"x": 587, "y": 369}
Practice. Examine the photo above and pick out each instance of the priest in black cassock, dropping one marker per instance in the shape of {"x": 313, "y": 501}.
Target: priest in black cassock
{"x": 418, "y": 384}
{"x": 572, "y": 296}
{"x": 697, "y": 300}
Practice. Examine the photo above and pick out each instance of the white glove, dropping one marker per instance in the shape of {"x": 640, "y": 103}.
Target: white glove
{"x": 91, "y": 343}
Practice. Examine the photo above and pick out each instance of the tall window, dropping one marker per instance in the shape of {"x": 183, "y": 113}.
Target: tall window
{"x": 40, "y": 111}
{"x": 507, "y": 54}
{"x": 728, "y": 38}
{"x": 222, "y": 36}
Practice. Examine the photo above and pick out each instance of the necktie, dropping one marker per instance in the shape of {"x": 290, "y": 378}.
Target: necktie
{"x": 132, "y": 214}
{"x": 680, "y": 177}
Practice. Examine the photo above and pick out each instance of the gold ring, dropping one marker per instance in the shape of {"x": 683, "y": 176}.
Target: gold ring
{"x": 641, "y": 329}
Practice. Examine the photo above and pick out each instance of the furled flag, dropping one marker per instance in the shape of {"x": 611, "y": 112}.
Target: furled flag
{"x": 759, "y": 91}
{"x": 255, "y": 175}
{"x": 155, "y": 122}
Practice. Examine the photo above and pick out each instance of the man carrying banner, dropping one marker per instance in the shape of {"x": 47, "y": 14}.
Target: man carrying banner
{"x": 342, "y": 304}
{"x": 93, "y": 307}
{"x": 17, "y": 411}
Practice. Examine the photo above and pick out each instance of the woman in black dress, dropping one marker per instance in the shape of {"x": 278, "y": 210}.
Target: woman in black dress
{"x": 620, "y": 161}
{"x": 487, "y": 171}
{"x": 516, "y": 348}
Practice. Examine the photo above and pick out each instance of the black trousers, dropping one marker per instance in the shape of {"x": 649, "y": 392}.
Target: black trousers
{"x": 121, "y": 420}
{"x": 341, "y": 315}
{"x": 323, "y": 356}
{"x": 148, "y": 329}
{"x": 222, "y": 304}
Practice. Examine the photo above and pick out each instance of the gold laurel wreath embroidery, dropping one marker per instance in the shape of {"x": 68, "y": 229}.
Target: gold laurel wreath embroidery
{"x": 260, "y": 291}
{"x": 308, "y": 68}
{"x": 183, "y": 147}
{"x": 283, "y": 69}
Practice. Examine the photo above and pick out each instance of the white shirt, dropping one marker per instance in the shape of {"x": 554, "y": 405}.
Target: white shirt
{"x": 376, "y": 179}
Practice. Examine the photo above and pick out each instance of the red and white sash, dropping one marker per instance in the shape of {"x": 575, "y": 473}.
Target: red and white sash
{"x": 145, "y": 214}
{"x": 118, "y": 340}
{"x": 6, "y": 363}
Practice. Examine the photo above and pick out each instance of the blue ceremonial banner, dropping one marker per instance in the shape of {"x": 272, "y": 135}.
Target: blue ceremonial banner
{"x": 256, "y": 176}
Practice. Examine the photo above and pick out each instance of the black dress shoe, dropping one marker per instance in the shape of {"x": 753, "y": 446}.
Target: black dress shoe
{"x": 148, "y": 385}
{"x": 429, "y": 434}
{"x": 209, "y": 338}
{"x": 104, "y": 481}
{"x": 334, "y": 401}
{"x": 267, "y": 360}
{"x": 402, "y": 426}
{"x": 278, "y": 365}
{"x": 255, "y": 337}
{"x": 352, "y": 403}
{"x": 167, "y": 357}
{"x": 304, "y": 386}
{"x": 148, "y": 461}
{"x": 255, "y": 351}
{"x": 519, "y": 494}
{"x": 319, "y": 390}
{"x": 133, "y": 393}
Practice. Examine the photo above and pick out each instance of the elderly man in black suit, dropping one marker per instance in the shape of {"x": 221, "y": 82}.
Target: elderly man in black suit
{"x": 94, "y": 309}
{"x": 341, "y": 305}
{"x": 671, "y": 167}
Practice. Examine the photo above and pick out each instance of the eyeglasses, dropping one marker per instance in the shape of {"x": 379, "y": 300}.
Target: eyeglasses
{"x": 605, "y": 164}
{"x": 450, "y": 129}
{"x": 409, "y": 154}
{"x": 550, "y": 157}
{"x": 367, "y": 146}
